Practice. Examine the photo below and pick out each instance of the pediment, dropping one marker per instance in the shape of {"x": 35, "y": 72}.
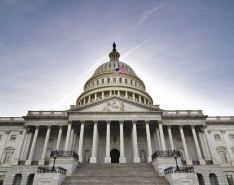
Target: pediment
{"x": 114, "y": 104}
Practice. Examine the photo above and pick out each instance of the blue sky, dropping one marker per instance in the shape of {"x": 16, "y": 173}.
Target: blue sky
{"x": 183, "y": 51}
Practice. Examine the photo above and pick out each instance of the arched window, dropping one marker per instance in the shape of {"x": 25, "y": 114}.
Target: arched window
{"x": 135, "y": 84}
{"x": 102, "y": 81}
{"x": 17, "y": 179}
{"x": 126, "y": 80}
{"x": 108, "y": 80}
{"x": 114, "y": 80}
{"x": 213, "y": 179}
{"x": 30, "y": 179}
{"x": 131, "y": 82}
{"x": 200, "y": 179}
{"x": 120, "y": 80}
{"x": 93, "y": 83}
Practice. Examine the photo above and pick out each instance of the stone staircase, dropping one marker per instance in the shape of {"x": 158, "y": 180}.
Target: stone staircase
{"x": 115, "y": 174}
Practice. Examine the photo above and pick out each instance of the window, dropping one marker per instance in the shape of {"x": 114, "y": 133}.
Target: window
{"x": 230, "y": 180}
{"x": 102, "y": 81}
{"x": 8, "y": 154}
{"x": 217, "y": 137}
{"x": 97, "y": 82}
{"x": 13, "y": 137}
{"x": 222, "y": 157}
{"x": 0, "y": 137}
{"x": 114, "y": 80}
{"x": 231, "y": 136}
{"x": 126, "y": 81}
{"x": 120, "y": 80}
{"x": 131, "y": 82}
{"x": 108, "y": 80}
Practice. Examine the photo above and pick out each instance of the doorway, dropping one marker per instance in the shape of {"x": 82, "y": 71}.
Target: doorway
{"x": 114, "y": 154}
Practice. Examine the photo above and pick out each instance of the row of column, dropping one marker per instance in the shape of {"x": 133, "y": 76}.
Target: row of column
{"x": 145, "y": 101}
{"x": 136, "y": 159}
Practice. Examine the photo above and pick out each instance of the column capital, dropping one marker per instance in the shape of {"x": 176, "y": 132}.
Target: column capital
{"x": 121, "y": 121}
{"x": 82, "y": 121}
{"x": 108, "y": 121}
{"x": 37, "y": 126}
{"x": 147, "y": 121}
{"x": 192, "y": 126}
{"x": 180, "y": 126}
{"x": 25, "y": 127}
{"x": 160, "y": 122}
{"x": 69, "y": 122}
{"x": 168, "y": 126}
{"x": 223, "y": 131}
{"x": 7, "y": 131}
{"x": 95, "y": 121}
{"x": 134, "y": 121}
{"x": 60, "y": 126}
{"x": 49, "y": 126}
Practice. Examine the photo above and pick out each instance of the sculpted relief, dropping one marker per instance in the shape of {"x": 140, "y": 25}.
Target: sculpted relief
{"x": 112, "y": 106}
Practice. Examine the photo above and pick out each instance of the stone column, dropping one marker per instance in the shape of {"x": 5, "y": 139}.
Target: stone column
{"x": 162, "y": 136}
{"x": 122, "y": 158}
{"x": 201, "y": 161}
{"x": 59, "y": 137}
{"x": 95, "y": 97}
{"x": 28, "y": 162}
{"x": 68, "y": 136}
{"x": 43, "y": 155}
{"x": 118, "y": 93}
{"x": 140, "y": 98}
{"x": 133, "y": 96}
{"x": 136, "y": 158}
{"x": 89, "y": 100}
{"x": 148, "y": 137}
{"x": 107, "y": 158}
{"x": 93, "y": 158}
{"x": 80, "y": 149}
{"x": 159, "y": 147}
{"x": 71, "y": 140}
{"x": 110, "y": 93}
{"x": 20, "y": 146}
{"x": 188, "y": 160}
{"x": 102, "y": 95}
{"x": 170, "y": 137}
{"x": 126, "y": 94}
{"x": 144, "y": 101}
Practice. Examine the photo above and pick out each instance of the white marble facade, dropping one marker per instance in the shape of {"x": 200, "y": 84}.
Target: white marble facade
{"x": 116, "y": 116}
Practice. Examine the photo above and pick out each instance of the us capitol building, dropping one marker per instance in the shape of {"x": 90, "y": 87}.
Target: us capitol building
{"x": 115, "y": 134}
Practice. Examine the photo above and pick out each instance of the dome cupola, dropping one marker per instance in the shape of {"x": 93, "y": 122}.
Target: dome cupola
{"x": 114, "y": 78}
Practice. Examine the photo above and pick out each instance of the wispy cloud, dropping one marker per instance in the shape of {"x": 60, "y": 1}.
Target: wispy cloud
{"x": 85, "y": 75}
{"x": 135, "y": 48}
{"x": 145, "y": 15}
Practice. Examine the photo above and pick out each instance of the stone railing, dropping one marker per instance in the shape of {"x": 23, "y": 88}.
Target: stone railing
{"x": 183, "y": 112}
{"x": 183, "y": 170}
{"x": 55, "y": 170}
{"x": 65, "y": 154}
{"x": 11, "y": 119}
{"x": 47, "y": 113}
{"x": 220, "y": 118}
{"x": 165, "y": 153}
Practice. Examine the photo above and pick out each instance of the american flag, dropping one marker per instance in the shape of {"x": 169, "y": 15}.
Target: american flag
{"x": 122, "y": 69}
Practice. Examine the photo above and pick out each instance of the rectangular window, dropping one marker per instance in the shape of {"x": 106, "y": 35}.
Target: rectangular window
{"x": 230, "y": 180}
{"x": 217, "y": 137}
{"x": 222, "y": 157}
{"x": 7, "y": 158}
{"x": 0, "y": 137}
{"x": 231, "y": 136}
{"x": 13, "y": 137}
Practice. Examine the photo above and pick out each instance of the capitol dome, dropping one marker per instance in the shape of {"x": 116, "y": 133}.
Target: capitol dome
{"x": 107, "y": 82}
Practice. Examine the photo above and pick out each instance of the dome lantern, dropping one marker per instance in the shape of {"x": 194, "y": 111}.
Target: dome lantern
{"x": 114, "y": 55}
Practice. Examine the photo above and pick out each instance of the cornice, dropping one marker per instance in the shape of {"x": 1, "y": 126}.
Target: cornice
{"x": 110, "y": 113}
{"x": 12, "y": 123}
